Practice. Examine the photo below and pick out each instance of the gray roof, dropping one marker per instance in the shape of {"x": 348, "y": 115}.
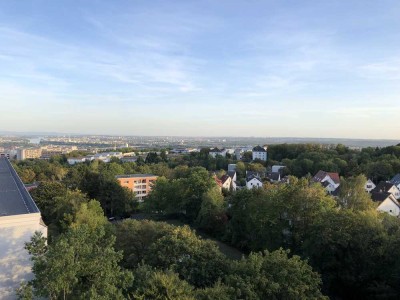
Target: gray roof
{"x": 14, "y": 198}
{"x": 383, "y": 187}
{"x": 135, "y": 175}
{"x": 379, "y": 196}
{"x": 259, "y": 149}
{"x": 396, "y": 180}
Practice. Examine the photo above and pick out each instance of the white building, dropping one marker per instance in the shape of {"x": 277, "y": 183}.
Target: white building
{"x": 260, "y": 153}
{"x": 369, "y": 186}
{"x": 19, "y": 219}
{"x": 215, "y": 152}
{"x": 329, "y": 180}
{"x": 387, "y": 203}
{"x": 253, "y": 183}
{"x": 76, "y": 160}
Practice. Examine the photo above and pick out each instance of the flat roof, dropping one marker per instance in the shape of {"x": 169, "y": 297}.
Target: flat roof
{"x": 135, "y": 175}
{"x": 14, "y": 198}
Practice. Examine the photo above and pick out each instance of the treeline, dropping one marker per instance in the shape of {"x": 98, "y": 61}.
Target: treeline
{"x": 302, "y": 159}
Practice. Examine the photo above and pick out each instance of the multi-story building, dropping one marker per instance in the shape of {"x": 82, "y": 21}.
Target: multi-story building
{"x": 19, "y": 220}
{"x": 260, "y": 153}
{"x": 140, "y": 184}
{"x": 50, "y": 151}
{"x": 26, "y": 153}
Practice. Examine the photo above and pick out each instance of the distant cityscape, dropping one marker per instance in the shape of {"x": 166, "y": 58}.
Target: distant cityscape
{"x": 22, "y": 146}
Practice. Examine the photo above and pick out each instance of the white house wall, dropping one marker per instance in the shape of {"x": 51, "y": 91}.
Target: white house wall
{"x": 389, "y": 207}
{"x": 15, "y": 264}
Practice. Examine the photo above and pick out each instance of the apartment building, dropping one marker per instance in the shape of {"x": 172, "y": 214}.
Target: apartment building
{"x": 26, "y": 153}
{"x": 141, "y": 184}
{"x": 19, "y": 219}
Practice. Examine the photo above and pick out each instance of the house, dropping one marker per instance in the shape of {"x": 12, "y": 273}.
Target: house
{"x": 232, "y": 175}
{"x": 140, "y": 184}
{"x": 260, "y": 153}
{"x": 218, "y": 181}
{"x": 385, "y": 186}
{"x": 238, "y": 154}
{"x": 231, "y": 167}
{"x": 226, "y": 182}
{"x": 329, "y": 180}
{"x": 388, "y": 203}
{"x": 20, "y": 218}
{"x": 215, "y": 152}
{"x": 396, "y": 180}
{"x": 253, "y": 181}
{"x": 277, "y": 168}
{"x": 369, "y": 186}
{"x": 274, "y": 176}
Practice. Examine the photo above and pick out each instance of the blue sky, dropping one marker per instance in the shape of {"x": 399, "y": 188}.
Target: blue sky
{"x": 210, "y": 68}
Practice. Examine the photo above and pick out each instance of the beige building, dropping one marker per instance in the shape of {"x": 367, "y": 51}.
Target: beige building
{"x": 141, "y": 184}
{"x": 27, "y": 153}
{"x": 19, "y": 219}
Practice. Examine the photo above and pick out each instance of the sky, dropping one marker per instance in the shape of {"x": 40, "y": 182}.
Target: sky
{"x": 201, "y": 68}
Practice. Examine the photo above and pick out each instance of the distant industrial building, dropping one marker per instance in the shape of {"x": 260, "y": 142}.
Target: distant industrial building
{"x": 19, "y": 219}
{"x": 141, "y": 184}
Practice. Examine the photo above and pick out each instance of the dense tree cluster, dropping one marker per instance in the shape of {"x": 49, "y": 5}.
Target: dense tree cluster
{"x": 302, "y": 159}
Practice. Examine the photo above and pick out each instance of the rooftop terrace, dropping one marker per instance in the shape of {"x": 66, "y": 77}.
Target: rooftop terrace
{"x": 14, "y": 198}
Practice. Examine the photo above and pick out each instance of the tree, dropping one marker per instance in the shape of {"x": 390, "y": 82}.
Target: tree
{"x": 219, "y": 291}
{"x": 196, "y": 184}
{"x": 166, "y": 197}
{"x": 348, "y": 248}
{"x": 134, "y": 238}
{"x": 212, "y": 217}
{"x": 198, "y": 261}
{"x": 44, "y": 196}
{"x": 81, "y": 264}
{"x": 352, "y": 194}
{"x": 159, "y": 285}
{"x": 273, "y": 275}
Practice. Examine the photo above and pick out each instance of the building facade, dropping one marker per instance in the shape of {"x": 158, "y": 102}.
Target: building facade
{"x": 27, "y": 153}
{"x": 140, "y": 184}
{"x": 260, "y": 153}
{"x": 19, "y": 220}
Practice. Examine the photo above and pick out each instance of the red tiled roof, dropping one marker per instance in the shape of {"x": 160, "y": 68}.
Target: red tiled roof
{"x": 335, "y": 177}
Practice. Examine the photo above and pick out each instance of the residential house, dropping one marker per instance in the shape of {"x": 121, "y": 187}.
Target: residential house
{"x": 231, "y": 167}
{"x": 396, "y": 180}
{"x": 274, "y": 176}
{"x": 329, "y": 180}
{"x": 238, "y": 154}
{"x": 260, "y": 153}
{"x": 277, "y": 168}
{"x": 226, "y": 182}
{"x": 387, "y": 203}
{"x": 253, "y": 180}
{"x": 369, "y": 186}
{"x": 385, "y": 186}
{"x": 140, "y": 184}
